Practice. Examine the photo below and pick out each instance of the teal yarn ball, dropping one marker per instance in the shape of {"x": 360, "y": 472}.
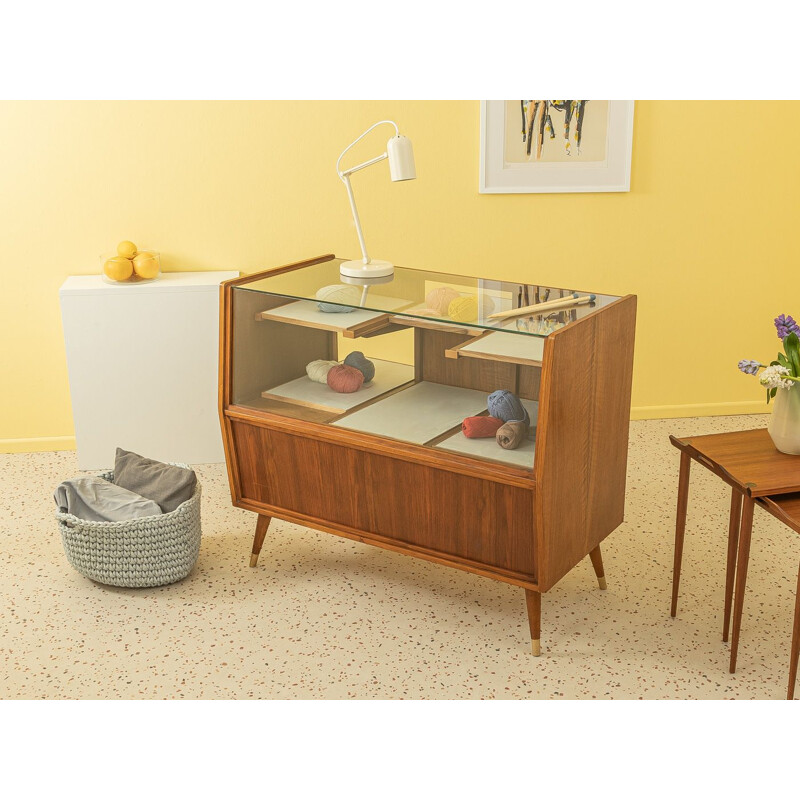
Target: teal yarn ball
{"x": 358, "y": 360}
{"x": 507, "y": 406}
{"x": 338, "y": 293}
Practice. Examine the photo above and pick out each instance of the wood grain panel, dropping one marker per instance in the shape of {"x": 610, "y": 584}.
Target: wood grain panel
{"x": 442, "y": 511}
{"x": 582, "y": 438}
{"x": 469, "y": 373}
{"x": 530, "y": 379}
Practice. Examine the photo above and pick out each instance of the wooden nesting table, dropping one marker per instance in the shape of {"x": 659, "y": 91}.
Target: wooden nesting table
{"x": 749, "y": 463}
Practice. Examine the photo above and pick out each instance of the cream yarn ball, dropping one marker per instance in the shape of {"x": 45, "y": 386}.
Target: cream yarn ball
{"x": 318, "y": 370}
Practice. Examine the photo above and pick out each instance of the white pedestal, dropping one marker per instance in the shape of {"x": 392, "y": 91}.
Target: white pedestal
{"x": 142, "y": 363}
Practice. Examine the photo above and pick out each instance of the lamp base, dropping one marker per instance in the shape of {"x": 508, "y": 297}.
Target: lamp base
{"x": 375, "y": 269}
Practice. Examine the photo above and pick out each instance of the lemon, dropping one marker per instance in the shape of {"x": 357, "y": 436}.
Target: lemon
{"x": 118, "y": 268}
{"x": 126, "y": 249}
{"x": 146, "y": 264}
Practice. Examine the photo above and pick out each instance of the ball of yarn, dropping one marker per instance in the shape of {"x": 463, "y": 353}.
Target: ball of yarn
{"x": 358, "y": 360}
{"x": 345, "y": 379}
{"x": 318, "y": 370}
{"x": 481, "y": 427}
{"x": 438, "y": 300}
{"x": 338, "y": 293}
{"x": 465, "y": 309}
{"x": 511, "y": 435}
{"x": 506, "y": 406}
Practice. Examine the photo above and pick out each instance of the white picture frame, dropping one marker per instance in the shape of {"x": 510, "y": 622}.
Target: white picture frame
{"x": 499, "y": 176}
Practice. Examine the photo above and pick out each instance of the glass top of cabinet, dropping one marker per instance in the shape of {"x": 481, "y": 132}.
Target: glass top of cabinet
{"x": 415, "y": 295}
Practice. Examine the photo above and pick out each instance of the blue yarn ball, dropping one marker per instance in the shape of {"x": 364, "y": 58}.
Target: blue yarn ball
{"x": 506, "y": 406}
{"x": 358, "y": 360}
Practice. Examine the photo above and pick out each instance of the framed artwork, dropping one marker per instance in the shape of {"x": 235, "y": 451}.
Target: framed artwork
{"x": 556, "y": 146}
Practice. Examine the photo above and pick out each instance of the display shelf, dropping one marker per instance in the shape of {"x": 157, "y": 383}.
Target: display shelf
{"x": 501, "y": 346}
{"x": 303, "y": 391}
{"x": 351, "y": 324}
{"x": 429, "y": 323}
{"x": 488, "y": 448}
{"x": 417, "y": 414}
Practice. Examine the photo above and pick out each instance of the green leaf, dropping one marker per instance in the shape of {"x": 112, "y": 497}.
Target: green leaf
{"x": 791, "y": 344}
{"x": 783, "y": 361}
{"x": 773, "y": 392}
{"x": 767, "y": 396}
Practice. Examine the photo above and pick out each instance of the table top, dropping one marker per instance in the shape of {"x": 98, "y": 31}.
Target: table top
{"x": 747, "y": 460}
{"x": 433, "y": 296}
{"x": 166, "y": 282}
{"x": 785, "y": 507}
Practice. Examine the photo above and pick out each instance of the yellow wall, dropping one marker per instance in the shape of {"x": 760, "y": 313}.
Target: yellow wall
{"x": 706, "y": 237}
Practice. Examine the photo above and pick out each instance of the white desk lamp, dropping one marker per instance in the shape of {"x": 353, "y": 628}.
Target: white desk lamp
{"x": 401, "y": 168}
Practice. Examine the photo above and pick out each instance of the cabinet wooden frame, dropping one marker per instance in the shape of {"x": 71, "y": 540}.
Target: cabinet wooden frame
{"x": 528, "y": 527}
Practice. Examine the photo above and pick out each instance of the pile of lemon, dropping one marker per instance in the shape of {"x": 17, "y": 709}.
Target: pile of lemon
{"x": 131, "y": 264}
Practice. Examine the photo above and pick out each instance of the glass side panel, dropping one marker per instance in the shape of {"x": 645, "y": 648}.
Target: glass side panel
{"x": 451, "y": 300}
{"x": 424, "y": 377}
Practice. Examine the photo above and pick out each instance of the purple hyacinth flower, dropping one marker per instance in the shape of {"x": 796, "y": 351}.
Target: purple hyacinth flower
{"x": 786, "y": 325}
{"x": 749, "y": 367}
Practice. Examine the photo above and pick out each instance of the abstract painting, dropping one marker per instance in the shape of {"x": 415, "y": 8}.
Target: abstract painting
{"x": 556, "y": 145}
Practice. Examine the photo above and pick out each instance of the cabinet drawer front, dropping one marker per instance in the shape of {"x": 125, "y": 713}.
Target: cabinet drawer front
{"x": 483, "y": 521}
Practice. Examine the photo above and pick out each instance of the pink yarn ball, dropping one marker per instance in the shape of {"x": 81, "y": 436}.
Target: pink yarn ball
{"x": 440, "y": 298}
{"x": 345, "y": 379}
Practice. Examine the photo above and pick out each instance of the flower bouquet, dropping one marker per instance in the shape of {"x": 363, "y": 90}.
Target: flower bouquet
{"x": 780, "y": 376}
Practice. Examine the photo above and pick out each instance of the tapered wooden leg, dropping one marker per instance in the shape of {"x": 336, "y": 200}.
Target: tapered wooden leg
{"x": 795, "y": 642}
{"x": 733, "y": 544}
{"x": 597, "y": 563}
{"x": 680, "y": 528}
{"x": 533, "y": 600}
{"x": 258, "y": 540}
{"x": 741, "y": 575}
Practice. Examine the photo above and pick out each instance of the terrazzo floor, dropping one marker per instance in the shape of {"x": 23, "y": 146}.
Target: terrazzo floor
{"x": 325, "y": 617}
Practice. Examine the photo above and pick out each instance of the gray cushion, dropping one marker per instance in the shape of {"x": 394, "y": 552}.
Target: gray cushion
{"x": 96, "y": 499}
{"x": 167, "y": 485}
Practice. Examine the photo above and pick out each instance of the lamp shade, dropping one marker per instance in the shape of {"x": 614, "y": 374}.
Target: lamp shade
{"x": 401, "y": 158}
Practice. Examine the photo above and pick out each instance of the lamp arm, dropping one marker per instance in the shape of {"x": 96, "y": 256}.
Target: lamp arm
{"x": 346, "y": 179}
{"x": 356, "y": 141}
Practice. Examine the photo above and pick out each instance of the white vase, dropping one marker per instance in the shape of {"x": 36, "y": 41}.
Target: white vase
{"x": 784, "y": 425}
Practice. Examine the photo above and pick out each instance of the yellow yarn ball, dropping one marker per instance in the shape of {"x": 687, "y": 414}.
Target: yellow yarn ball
{"x": 465, "y": 309}
{"x": 439, "y": 299}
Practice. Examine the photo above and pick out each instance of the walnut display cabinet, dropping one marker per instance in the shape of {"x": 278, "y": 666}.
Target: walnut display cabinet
{"x": 388, "y": 464}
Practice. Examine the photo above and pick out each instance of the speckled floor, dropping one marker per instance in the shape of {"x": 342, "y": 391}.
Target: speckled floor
{"x": 324, "y": 617}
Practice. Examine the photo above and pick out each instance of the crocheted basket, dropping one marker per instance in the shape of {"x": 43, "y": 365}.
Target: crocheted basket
{"x": 146, "y": 551}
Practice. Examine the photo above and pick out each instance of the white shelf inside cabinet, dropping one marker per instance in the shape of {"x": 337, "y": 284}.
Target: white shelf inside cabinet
{"x": 488, "y": 448}
{"x": 417, "y": 414}
{"x": 305, "y": 392}
{"x": 349, "y": 323}
{"x": 500, "y": 346}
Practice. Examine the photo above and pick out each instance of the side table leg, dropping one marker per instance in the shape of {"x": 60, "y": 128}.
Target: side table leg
{"x": 733, "y": 546}
{"x": 795, "y": 642}
{"x": 258, "y": 540}
{"x": 533, "y": 600}
{"x": 597, "y": 563}
{"x": 680, "y": 527}
{"x": 741, "y": 575}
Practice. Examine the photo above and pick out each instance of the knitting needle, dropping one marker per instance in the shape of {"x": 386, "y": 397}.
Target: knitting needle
{"x": 540, "y": 308}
